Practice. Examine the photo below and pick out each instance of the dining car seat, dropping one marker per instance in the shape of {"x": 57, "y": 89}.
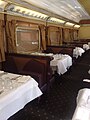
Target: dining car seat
{"x": 37, "y": 70}
{"x": 9, "y": 65}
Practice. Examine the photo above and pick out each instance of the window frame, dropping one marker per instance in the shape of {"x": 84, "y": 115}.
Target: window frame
{"x": 28, "y": 29}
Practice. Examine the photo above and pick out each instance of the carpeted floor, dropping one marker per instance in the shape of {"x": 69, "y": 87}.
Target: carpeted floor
{"x": 60, "y": 102}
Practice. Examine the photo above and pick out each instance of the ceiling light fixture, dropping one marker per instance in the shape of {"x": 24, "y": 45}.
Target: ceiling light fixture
{"x": 56, "y": 20}
{"x": 76, "y": 26}
{"x": 69, "y": 24}
{"x": 31, "y": 13}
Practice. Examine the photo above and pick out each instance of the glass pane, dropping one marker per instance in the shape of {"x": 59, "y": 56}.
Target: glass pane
{"x": 54, "y": 37}
{"x": 27, "y": 40}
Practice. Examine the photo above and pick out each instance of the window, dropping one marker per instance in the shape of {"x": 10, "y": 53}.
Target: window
{"x": 28, "y": 40}
{"x": 54, "y": 35}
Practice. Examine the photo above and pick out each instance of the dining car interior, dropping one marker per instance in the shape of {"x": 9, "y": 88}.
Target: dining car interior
{"x": 44, "y": 59}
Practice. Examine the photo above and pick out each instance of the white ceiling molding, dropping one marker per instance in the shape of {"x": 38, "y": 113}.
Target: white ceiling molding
{"x": 85, "y": 25}
{"x": 62, "y": 10}
{"x": 2, "y": 5}
{"x": 27, "y": 12}
{"x": 71, "y": 9}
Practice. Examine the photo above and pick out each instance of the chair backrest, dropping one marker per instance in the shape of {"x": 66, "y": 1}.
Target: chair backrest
{"x": 9, "y": 65}
{"x": 68, "y": 51}
{"x": 34, "y": 66}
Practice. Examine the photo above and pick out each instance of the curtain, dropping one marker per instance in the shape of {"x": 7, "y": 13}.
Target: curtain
{"x": 10, "y": 36}
{"x": 75, "y": 34}
{"x": 60, "y": 36}
{"x": 2, "y": 50}
{"x": 66, "y": 35}
{"x": 42, "y": 37}
{"x": 54, "y": 35}
{"x": 71, "y": 34}
{"x": 48, "y": 36}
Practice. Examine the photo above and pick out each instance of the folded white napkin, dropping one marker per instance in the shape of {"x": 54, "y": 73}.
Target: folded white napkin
{"x": 23, "y": 79}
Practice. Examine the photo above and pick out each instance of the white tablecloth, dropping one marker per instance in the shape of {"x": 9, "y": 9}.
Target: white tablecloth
{"x": 85, "y": 46}
{"x": 24, "y": 89}
{"x": 42, "y": 54}
{"x": 78, "y": 51}
{"x": 63, "y": 62}
{"x": 82, "y": 111}
{"x": 89, "y": 44}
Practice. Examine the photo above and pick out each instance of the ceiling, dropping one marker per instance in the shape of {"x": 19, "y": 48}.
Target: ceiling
{"x": 86, "y": 5}
{"x": 70, "y": 10}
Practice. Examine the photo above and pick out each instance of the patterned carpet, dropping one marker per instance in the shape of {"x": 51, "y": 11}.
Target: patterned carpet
{"x": 60, "y": 102}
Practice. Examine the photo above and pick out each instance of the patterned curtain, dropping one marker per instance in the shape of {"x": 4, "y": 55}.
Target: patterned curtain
{"x": 10, "y": 36}
{"x": 60, "y": 36}
{"x": 75, "y": 34}
{"x": 71, "y": 34}
{"x": 66, "y": 35}
{"x": 42, "y": 37}
{"x": 48, "y": 36}
{"x": 2, "y": 51}
{"x": 54, "y": 35}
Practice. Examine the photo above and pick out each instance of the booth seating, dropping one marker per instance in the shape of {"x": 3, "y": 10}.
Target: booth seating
{"x": 64, "y": 49}
{"x": 76, "y": 43}
{"x": 36, "y": 66}
{"x": 84, "y": 40}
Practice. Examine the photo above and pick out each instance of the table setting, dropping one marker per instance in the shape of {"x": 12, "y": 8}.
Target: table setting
{"x": 62, "y": 62}
{"x": 78, "y": 51}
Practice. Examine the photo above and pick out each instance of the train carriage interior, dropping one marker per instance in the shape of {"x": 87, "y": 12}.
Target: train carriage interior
{"x": 49, "y": 41}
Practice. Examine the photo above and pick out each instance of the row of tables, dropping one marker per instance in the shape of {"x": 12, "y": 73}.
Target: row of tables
{"x": 60, "y": 63}
{"x": 82, "y": 110}
{"x": 17, "y": 90}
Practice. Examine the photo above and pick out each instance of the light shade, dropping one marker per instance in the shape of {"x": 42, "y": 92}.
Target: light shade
{"x": 56, "y": 20}
{"x": 76, "y": 26}
{"x": 69, "y": 24}
{"x": 25, "y": 11}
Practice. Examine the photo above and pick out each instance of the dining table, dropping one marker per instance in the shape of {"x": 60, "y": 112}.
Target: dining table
{"x": 15, "y": 92}
{"x": 78, "y": 51}
{"x": 61, "y": 63}
{"x": 86, "y": 47}
{"x": 82, "y": 110}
